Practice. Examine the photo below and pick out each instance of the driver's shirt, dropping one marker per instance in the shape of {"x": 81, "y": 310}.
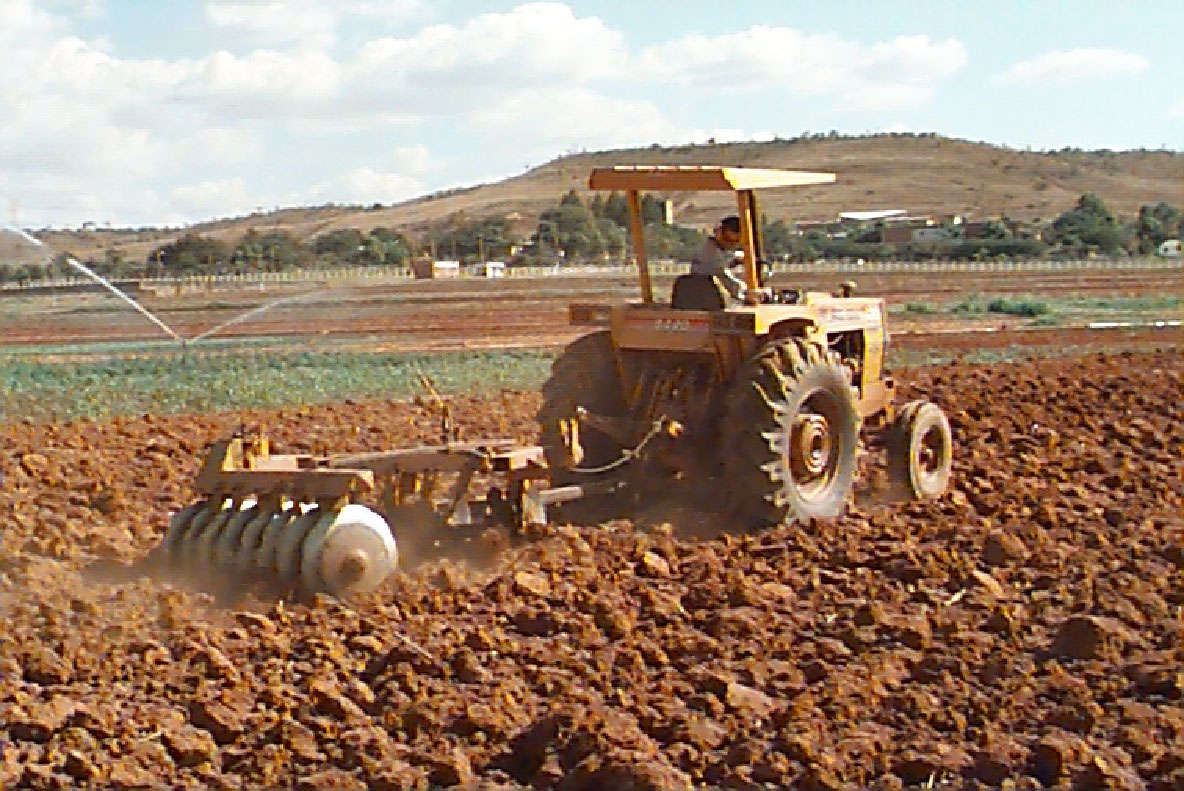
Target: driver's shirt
{"x": 711, "y": 259}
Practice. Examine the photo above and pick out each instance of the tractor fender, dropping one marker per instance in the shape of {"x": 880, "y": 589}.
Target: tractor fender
{"x": 796, "y": 327}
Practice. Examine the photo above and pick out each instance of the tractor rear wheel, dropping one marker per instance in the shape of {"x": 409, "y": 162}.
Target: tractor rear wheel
{"x": 790, "y": 435}
{"x": 584, "y": 375}
{"x": 919, "y": 448}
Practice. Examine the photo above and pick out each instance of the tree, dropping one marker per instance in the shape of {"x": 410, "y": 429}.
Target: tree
{"x": 274, "y": 251}
{"x": 388, "y": 246}
{"x": 615, "y": 207}
{"x": 1157, "y": 224}
{"x": 596, "y": 205}
{"x": 59, "y": 266}
{"x": 775, "y": 238}
{"x": 613, "y": 236}
{"x": 671, "y": 241}
{"x": 464, "y": 239}
{"x": 571, "y": 230}
{"x": 192, "y": 254}
{"x": 114, "y": 264}
{"x": 653, "y": 208}
{"x": 339, "y": 246}
{"x": 1089, "y": 225}
{"x": 27, "y": 273}
{"x": 996, "y": 230}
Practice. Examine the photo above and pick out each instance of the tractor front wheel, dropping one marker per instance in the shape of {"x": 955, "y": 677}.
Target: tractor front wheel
{"x": 919, "y": 447}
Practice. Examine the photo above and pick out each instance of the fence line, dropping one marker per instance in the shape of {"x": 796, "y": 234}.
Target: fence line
{"x": 660, "y": 267}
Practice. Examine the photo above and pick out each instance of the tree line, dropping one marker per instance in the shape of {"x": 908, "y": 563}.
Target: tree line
{"x": 576, "y": 230}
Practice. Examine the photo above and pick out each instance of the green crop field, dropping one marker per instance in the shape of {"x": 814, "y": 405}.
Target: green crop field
{"x": 66, "y": 381}
{"x": 63, "y": 389}
{"x": 1047, "y": 310}
{"x": 47, "y": 389}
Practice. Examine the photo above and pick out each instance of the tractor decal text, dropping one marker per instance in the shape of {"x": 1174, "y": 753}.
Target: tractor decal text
{"x": 674, "y": 325}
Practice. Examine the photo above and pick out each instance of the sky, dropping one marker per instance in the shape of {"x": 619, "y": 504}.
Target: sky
{"x": 127, "y": 113}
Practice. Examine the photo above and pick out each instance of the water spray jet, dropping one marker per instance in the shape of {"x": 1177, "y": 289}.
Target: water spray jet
{"x": 104, "y": 282}
{"x": 184, "y": 343}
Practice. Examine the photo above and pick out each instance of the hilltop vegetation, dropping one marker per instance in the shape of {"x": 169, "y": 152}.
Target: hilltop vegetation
{"x": 923, "y": 174}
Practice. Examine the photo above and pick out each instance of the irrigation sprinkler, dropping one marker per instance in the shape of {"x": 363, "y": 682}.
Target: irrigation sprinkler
{"x": 248, "y": 314}
{"x": 104, "y": 282}
{"x": 183, "y": 342}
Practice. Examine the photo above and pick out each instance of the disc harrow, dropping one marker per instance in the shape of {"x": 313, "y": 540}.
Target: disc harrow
{"x": 327, "y": 524}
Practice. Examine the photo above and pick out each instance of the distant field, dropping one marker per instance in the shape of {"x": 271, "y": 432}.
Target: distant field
{"x": 84, "y": 355}
{"x": 59, "y": 386}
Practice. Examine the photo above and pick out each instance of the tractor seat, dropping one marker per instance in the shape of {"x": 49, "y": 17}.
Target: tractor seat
{"x": 698, "y": 292}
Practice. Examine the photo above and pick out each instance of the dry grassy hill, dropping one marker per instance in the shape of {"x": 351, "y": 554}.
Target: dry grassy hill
{"x": 921, "y": 174}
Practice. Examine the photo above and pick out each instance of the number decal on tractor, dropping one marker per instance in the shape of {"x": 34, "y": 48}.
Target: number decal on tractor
{"x": 672, "y": 325}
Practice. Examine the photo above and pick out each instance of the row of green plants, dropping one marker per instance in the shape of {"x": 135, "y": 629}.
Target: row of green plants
{"x": 1046, "y": 310}
{"x": 41, "y": 388}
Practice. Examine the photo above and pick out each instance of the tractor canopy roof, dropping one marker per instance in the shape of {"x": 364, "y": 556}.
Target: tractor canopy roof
{"x": 700, "y": 177}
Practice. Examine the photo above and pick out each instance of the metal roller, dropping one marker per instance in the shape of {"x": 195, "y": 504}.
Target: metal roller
{"x": 300, "y": 546}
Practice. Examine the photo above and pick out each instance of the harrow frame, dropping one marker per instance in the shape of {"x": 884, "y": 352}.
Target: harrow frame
{"x": 402, "y": 480}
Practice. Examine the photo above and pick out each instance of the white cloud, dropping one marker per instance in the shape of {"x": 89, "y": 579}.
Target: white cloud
{"x": 763, "y": 58}
{"x": 532, "y": 45}
{"x": 220, "y": 144}
{"x": 305, "y": 23}
{"x": 538, "y": 120}
{"x": 1075, "y": 66}
{"x": 367, "y": 185}
{"x": 266, "y": 75}
{"x": 362, "y": 101}
{"x": 529, "y": 82}
{"x": 308, "y": 24}
{"x": 87, "y": 9}
{"x": 414, "y": 159}
{"x": 214, "y": 198}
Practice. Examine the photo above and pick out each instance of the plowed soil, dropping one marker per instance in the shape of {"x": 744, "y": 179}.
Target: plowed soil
{"x": 1023, "y": 631}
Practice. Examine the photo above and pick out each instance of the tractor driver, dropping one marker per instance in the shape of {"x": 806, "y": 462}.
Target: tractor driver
{"x": 717, "y": 256}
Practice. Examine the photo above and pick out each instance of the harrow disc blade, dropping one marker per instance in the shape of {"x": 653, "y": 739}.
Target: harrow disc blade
{"x": 351, "y": 551}
{"x": 226, "y": 548}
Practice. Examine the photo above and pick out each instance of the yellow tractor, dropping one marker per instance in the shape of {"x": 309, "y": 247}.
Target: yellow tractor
{"x": 760, "y": 403}
{"x": 765, "y": 401}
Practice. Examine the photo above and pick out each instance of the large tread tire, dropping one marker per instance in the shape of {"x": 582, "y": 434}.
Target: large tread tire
{"x": 769, "y": 482}
{"x": 585, "y": 374}
{"x": 919, "y": 450}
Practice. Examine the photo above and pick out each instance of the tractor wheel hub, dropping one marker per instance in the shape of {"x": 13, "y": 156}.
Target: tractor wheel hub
{"x": 810, "y": 445}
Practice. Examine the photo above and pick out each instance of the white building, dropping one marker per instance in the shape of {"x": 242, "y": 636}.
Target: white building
{"x": 1169, "y": 248}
